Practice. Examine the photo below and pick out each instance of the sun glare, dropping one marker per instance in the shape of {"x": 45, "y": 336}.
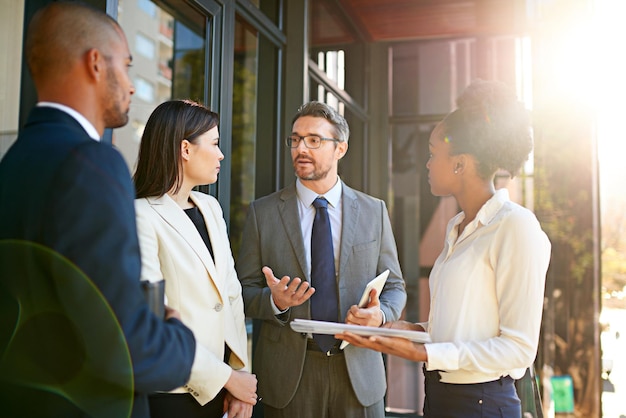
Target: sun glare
{"x": 611, "y": 79}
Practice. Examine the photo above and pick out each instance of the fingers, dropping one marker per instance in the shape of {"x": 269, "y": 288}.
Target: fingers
{"x": 240, "y": 409}
{"x": 242, "y": 385}
{"x": 374, "y": 300}
{"x": 287, "y": 292}
{"x": 371, "y": 316}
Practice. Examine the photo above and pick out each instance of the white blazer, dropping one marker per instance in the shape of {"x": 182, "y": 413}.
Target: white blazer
{"x": 206, "y": 293}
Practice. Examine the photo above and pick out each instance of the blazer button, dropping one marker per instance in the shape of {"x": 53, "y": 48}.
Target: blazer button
{"x": 218, "y": 307}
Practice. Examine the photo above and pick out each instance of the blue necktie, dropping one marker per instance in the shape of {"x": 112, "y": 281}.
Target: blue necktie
{"x": 324, "y": 300}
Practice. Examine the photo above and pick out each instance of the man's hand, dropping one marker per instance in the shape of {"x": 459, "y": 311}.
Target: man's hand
{"x": 287, "y": 292}
{"x": 370, "y": 315}
{"x": 171, "y": 313}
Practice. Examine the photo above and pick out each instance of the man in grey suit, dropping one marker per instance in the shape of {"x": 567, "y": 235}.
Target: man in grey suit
{"x": 297, "y": 378}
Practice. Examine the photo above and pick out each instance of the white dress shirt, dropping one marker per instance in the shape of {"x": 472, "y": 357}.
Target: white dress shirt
{"x": 306, "y": 211}
{"x": 87, "y": 126}
{"x": 486, "y": 291}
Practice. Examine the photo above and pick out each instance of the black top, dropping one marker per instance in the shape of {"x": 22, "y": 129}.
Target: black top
{"x": 196, "y": 217}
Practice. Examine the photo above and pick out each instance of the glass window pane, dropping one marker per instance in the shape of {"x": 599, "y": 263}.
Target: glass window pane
{"x": 336, "y": 49}
{"x": 245, "y": 88}
{"x": 11, "y": 22}
{"x": 145, "y": 46}
{"x": 269, "y": 7}
{"x": 169, "y": 53}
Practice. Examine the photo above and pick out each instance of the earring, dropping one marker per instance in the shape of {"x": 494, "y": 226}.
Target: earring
{"x": 456, "y": 171}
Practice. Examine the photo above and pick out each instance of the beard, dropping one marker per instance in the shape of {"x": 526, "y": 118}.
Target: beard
{"x": 316, "y": 173}
{"x": 114, "y": 116}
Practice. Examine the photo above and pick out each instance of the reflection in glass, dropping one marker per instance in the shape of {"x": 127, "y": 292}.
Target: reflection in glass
{"x": 169, "y": 52}
{"x": 244, "y": 126}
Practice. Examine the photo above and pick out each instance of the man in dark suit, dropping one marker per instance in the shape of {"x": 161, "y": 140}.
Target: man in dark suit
{"x": 67, "y": 230}
{"x": 299, "y": 377}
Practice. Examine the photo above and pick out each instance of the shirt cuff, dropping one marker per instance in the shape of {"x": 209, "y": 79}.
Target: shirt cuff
{"x": 275, "y": 308}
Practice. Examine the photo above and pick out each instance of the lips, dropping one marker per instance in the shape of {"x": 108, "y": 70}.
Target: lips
{"x": 302, "y": 160}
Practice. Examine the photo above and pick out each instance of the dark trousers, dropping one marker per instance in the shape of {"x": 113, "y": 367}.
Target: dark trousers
{"x": 175, "y": 405}
{"x": 325, "y": 391}
{"x": 497, "y": 399}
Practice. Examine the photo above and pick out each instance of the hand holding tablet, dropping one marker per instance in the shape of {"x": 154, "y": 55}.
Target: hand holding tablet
{"x": 377, "y": 283}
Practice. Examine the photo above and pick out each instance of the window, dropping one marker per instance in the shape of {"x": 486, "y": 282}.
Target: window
{"x": 147, "y": 7}
{"x": 169, "y": 49}
{"x": 144, "y": 46}
{"x": 144, "y": 90}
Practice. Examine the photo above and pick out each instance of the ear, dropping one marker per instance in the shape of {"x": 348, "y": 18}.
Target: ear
{"x": 185, "y": 150}
{"x": 342, "y": 148}
{"x": 95, "y": 64}
{"x": 461, "y": 164}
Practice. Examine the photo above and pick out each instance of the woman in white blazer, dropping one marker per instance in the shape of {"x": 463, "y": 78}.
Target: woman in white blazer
{"x": 183, "y": 239}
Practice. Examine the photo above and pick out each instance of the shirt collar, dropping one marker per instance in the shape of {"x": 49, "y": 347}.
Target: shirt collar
{"x": 492, "y": 206}
{"x": 307, "y": 196}
{"x": 87, "y": 126}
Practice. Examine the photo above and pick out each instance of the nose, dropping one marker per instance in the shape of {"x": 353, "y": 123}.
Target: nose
{"x": 301, "y": 144}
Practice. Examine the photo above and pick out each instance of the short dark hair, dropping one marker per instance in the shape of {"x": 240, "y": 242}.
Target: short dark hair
{"x": 322, "y": 110}
{"x": 63, "y": 31}
{"x": 491, "y": 125}
{"x": 159, "y": 164}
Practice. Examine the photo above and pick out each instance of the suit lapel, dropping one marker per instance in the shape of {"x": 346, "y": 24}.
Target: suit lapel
{"x": 287, "y": 206}
{"x": 350, "y": 217}
{"x": 174, "y": 215}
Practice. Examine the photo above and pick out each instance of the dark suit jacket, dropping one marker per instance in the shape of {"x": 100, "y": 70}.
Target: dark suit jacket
{"x": 63, "y": 190}
{"x": 272, "y": 237}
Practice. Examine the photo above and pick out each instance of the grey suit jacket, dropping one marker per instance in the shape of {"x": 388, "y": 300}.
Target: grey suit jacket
{"x": 272, "y": 237}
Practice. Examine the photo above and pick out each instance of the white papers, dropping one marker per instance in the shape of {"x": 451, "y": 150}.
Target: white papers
{"x": 332, "y": 328}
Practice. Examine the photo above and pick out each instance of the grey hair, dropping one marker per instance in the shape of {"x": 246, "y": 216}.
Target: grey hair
{"x": 322, "y": 110}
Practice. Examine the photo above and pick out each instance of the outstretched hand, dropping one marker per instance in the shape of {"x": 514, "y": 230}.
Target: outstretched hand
{"x": 287, "y": 292}
{"x": 396, "y": 346}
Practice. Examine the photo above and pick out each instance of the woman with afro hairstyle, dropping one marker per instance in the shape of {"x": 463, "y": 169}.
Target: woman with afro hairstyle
{"x": 487, "y": 285}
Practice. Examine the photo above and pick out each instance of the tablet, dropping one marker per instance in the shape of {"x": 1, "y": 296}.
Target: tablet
{"x": 377, "y": 283}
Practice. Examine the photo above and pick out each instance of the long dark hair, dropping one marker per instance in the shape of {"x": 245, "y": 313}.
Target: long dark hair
{"x": 159, "y": 163}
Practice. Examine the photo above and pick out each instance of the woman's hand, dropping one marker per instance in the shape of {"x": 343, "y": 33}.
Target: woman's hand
{"x": 408, "y": 326}
{"x": 242, "y": 385}
{"x": 396, "y": 346}
{"x": 237, "y": 408}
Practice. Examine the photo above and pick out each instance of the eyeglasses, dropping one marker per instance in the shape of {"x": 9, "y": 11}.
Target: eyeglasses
{"x": 310, "y": 141}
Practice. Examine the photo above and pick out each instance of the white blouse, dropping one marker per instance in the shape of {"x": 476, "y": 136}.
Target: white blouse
{"x": 486, "y": 294}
